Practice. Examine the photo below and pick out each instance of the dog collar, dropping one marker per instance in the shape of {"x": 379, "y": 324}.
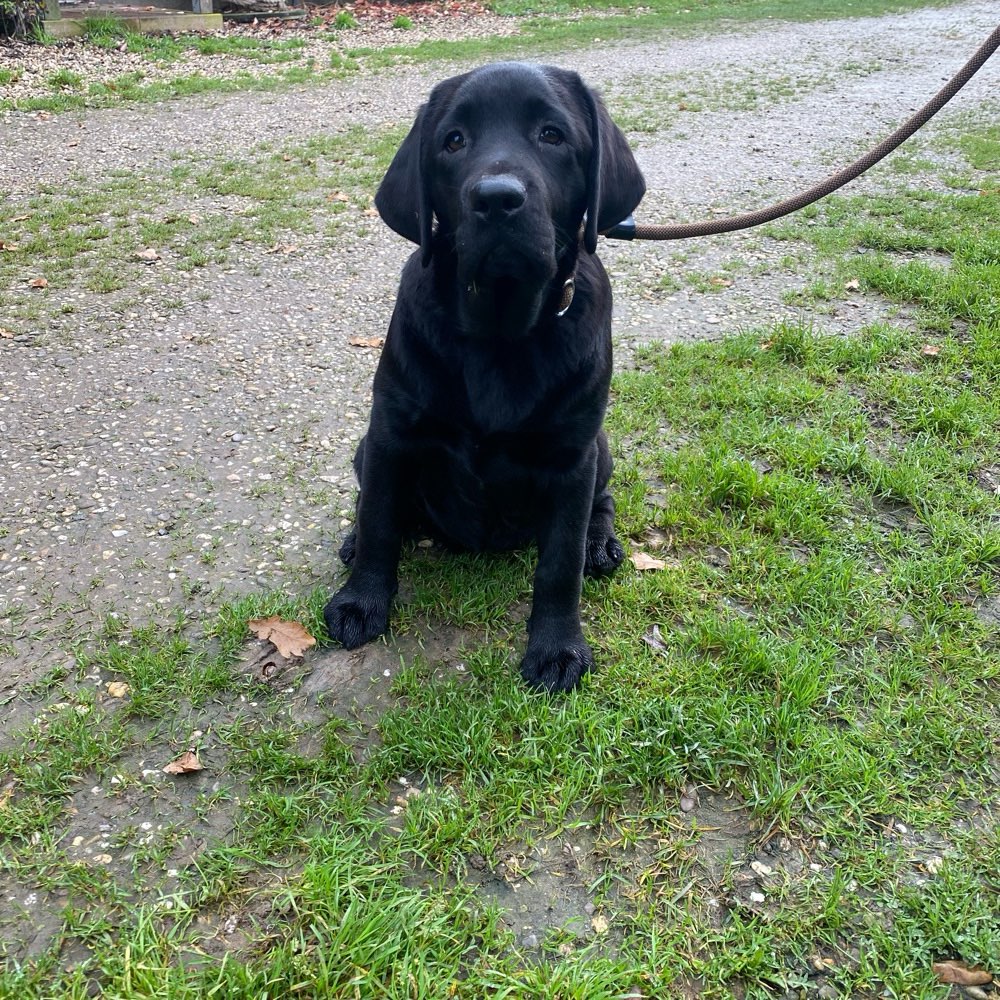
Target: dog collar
{"x": 568, "y": 288}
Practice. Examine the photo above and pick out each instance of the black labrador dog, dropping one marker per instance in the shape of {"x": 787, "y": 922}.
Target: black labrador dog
{"x": 490, "y": 393}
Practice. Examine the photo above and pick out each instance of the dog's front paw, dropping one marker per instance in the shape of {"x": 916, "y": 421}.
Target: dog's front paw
{"x": 556, "y": 667}
{"x": 604, "y": 555}
{"x": 354, "y": 617}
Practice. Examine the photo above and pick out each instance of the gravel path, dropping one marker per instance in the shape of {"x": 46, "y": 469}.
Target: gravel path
{"x": 158, "y": 457}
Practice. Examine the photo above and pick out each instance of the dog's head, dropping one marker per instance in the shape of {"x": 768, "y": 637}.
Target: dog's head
{"x": 511, "y": 160}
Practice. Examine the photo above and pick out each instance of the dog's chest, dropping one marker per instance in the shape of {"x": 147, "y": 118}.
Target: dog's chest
{"x": 499, "y": 400}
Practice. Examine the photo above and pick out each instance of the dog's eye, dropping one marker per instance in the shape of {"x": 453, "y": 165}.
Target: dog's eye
{"x": 454, "y": 141}
{"x": 551, "y": 135}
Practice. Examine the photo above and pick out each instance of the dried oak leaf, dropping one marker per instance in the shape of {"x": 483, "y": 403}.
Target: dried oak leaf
{"x": 930, "y": 350}
{"x": 644, "y": 561}
{"x": 149, "y": 255}
{"x": 366, "y": 341}
{"x": 185, "y": 764}
{"x": 289, "y": 638}
{"x": 954, "y": 971}
{"x": 39, "y": 283}
{"x": 852, "y": 285}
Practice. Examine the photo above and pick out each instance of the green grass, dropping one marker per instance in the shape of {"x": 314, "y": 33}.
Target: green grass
{"x": 832, "y": 671}
{"x": 87, "y": 233}
{"x": 650, "y": 104}
{"x": 541, "y": 29}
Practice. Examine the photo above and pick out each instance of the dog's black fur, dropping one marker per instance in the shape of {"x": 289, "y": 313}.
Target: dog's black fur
{"x": 488, "y": 401}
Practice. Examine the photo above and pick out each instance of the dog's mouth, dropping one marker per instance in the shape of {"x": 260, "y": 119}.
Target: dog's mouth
{"x": 502, "y": 305}
{"x": 503, "y": 287}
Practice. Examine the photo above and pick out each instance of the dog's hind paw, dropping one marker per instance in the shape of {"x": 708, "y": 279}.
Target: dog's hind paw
{"x": 557, "y": 669}
{"x": 352, "y": 618}
{"x": 604, "y": 555}
{"x": 348, "y": 548}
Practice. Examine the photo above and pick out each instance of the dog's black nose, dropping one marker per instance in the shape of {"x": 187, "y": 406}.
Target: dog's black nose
{"x": 498, "y": 195}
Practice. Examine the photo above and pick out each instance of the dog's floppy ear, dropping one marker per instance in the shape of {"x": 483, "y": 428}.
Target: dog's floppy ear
{"x": 615, "y": 185}
{"x": 403, "y": 197}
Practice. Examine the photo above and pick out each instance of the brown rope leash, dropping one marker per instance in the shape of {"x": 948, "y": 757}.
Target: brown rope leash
{"x": 631, "y": 230}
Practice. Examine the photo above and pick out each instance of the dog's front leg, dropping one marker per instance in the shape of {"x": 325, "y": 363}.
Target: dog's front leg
{"x": 359, "y": 611}
{"x": 557, "y": 655}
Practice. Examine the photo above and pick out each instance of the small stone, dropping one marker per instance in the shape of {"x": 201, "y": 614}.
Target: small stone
{"x": 761, "y": 869}
{"x": 689, "y": 799}
{"x": 530, "y": 941}
{"x": 757, "y": 897}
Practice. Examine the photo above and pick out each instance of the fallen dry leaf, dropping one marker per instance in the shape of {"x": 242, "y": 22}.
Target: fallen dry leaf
{"x": 289, "y": 638}
{"x": 6, "y": 795}
{"x": 930, "y": 350}
{"x": 185, "y": 764}
{"x": 118, "y": 689}
{"x": 853, "y": 285}
{"x": 9, "y": 247}
{"x": 285, "y": 248}
{"x": 39, "y": 283}
{"x": 148, "y": 255}
{"x": 6, "y": 334}
{"x": 955, "y": 971}
{"x": 338, "y": 196}
{"x": 366, "y": 341}
{"x": 600, "y": 923}
{"x": 643, "y": 561}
